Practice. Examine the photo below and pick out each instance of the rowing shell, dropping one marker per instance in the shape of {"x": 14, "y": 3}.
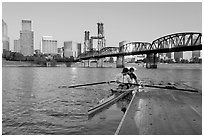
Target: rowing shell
{"x": 108, "y": 102}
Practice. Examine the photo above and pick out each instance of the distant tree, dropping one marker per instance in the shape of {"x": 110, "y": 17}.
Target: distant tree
{"x": 57, "y": 57}
{"x": 29, "y": 58}
{"x": 184, "y": 61}
{"x": 18, "y": 56}
{"x": 40, "y": 60}
{"x": 161, "y": 60}
{"x": 177, "y": 60}
{"x": 6, "y": 54}
{"x": 200, "y": 60}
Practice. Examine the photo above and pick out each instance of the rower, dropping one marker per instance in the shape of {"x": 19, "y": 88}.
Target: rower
{"x": 123, "y": 78}
{"x": 132, "y": 75}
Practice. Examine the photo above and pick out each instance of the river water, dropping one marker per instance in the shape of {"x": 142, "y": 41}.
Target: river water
{"x": 35, "y": 100}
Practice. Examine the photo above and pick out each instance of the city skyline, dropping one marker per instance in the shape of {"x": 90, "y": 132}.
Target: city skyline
{"x": 122, "y": 21}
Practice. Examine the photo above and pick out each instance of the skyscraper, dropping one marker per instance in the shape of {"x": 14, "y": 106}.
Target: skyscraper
{"x": 187, "y": 55}
{"x": 17, "y": 46}
{"x": 48, "y": 45}
{"x": 27, "y": 38}
{"x": 78, "y": 49}
{"x": 170, "y": 55}
{"x": 196, "y": 53}
{"x": 72, "y": 49}
{"x": 178, "y": 55}
{"x": 5, "y": 38}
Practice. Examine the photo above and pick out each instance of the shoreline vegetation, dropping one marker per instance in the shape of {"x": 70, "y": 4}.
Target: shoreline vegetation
{"x": 6, "y": 63}
{"x": 16, "y": 59}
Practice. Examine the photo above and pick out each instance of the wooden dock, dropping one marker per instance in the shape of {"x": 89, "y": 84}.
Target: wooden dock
{"x": 163, "y": 112}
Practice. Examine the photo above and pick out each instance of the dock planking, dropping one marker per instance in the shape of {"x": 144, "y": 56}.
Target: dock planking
{"x": 163, "y": 112}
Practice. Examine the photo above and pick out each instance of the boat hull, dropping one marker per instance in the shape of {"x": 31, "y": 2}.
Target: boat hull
{"x": 106, "y": 103}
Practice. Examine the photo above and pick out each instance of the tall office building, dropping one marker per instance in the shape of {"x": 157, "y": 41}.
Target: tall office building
{"x": 27, "y": 38}
{"x": 5, "y": 38}
{"x": 170, "y": 55}
{"x": 71, "y": 49}
{"x": 79, "y": 49}
{"x": 178, "y": 55}
{"x": 196, "y": 53}
{"x": 60, "y": 52}
{"x": 48, "y": 45}
{"x": 26, "y": 25}
{"x": 187, "y": 55}
{"x": 17, "y": 46}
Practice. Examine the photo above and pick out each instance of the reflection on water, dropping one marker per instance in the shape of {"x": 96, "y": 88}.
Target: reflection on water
{"x": 33, "y": 103}
{"x": 123, "y": 103}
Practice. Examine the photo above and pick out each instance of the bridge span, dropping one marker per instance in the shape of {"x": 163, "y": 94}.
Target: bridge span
{"x": 187, "y": 41}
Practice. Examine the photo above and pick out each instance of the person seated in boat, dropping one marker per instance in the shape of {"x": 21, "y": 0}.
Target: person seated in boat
{"x": 132, "y": 75}
{"x": 123, "y": 79}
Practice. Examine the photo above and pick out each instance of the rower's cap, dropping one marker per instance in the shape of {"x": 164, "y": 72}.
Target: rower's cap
{"x": 125, "y": 70}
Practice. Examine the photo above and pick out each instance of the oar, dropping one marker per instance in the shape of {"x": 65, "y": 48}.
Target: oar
{"x": 166, "y": 87}
{"x": 89, "y": 84}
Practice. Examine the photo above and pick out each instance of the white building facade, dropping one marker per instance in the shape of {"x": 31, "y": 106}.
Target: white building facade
{"x": 48, "y": 45}
{"x": 72, "y": 49}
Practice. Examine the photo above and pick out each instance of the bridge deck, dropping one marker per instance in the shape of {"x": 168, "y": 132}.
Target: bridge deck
{"x": 163, "y": 112}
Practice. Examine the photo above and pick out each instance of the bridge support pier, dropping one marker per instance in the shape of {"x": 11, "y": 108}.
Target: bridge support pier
{"x": 86, "y": 62}
{"x": 68, "y": 64}
{"x": 99, "y": 63}
{"x": 151, "y": 61}
{"x": 120, "y": 63}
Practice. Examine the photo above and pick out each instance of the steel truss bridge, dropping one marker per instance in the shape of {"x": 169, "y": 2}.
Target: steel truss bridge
{"x": 188, "y": 41}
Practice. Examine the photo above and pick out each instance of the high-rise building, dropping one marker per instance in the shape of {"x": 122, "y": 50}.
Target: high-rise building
{"x": 48, "y": 45}
{"x": 26, "y": 25}
{"x": 71, "y": 49}
{"x": 5, "y": 38}
{"x": 162, "y": 56}
{"x": 170, "y": 55}
{"x": 178, "y": 55}
{"x": 187, "y": 55}
{"x": 196, "y": 53}
{"x": 17, "y": 46}
{"x": 79, "y": 49}
{"x": 60, "y": 51}
{"x": 27, "y": 38}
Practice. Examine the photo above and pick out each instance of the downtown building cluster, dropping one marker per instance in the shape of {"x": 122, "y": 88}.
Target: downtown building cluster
{"x": 48, "y": 45}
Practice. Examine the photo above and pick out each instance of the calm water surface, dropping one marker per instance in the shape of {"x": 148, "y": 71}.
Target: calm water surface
{"x": 34, "y": 102}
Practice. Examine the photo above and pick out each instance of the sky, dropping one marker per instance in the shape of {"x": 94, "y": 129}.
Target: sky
{"x": 130, "y": 21}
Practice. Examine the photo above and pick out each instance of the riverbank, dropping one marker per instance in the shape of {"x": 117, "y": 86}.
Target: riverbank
{"x": 6, "y": 63}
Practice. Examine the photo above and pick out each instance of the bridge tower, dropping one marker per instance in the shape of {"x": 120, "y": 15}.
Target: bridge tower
{"x": 86, "y": 42}
{"x": 101, "y": 37}
{"x": 101, "y": 42}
